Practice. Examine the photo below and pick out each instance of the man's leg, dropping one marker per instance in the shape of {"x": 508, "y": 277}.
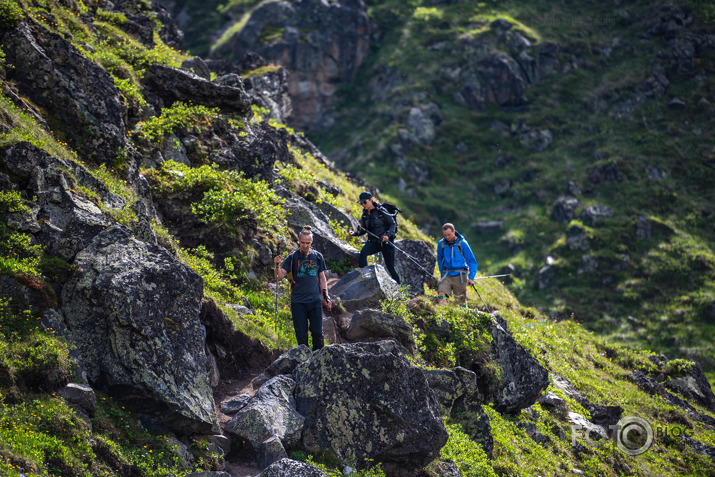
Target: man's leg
{"x": 460, "y": 289}
{"x": 315, "y": 317}
{"x": 369, "y": 248}
{"x": 443, "y": 290}
{"x": 388, "y": 253}
{"x": 300, "y": 322}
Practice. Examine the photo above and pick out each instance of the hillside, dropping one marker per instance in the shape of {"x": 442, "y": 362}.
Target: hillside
{"x": 143, "y": 195}
{"x": 571, "y": 142}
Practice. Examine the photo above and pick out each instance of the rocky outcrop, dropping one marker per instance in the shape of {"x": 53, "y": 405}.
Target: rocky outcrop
{"x": 413, "y": 262}
{"x": 293, "y": 468}
{"x": 271, "y": 413}
{"x": 377, "y": 325}
{"x": 270, "y": 91}
{"x": 302, "y": 213}
{"x": 320, "y": 43}
{"x": 364, "y": 288}
{"x": 285, "y": 364}
{"x": 365, "y": 401}
{"x": 79, "y": 93}
{"x": 167, "y": 85}
{"x": 133, "y": 313}
{"x": 523, "y": 379}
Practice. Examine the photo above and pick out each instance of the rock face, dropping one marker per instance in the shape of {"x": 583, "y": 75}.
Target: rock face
{"x": 523, "y": 379}
{"x": 174, "y": 84}
{"x": 413, "y": 269}
{"x": 320, "y": 43}
{"x": 133, "y": 311}
{"x": 369, "y": 325}
{"x": 301, "y": 213}
{"x": 366, "y": 401}
{"x": 364, "y": 288}
{"x": 76, "y": 91}
{"x": 293, "y": 468}
{"x": 271, "y": 412}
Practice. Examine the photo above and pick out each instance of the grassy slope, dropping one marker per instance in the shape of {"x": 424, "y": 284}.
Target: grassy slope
{"x": 668, "y": 284}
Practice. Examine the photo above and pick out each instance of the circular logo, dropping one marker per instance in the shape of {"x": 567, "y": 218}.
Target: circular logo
{"x": 634, "y": 435}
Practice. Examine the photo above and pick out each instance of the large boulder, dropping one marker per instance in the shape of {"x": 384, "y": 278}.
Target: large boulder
{"x": 169, "y": 84}
{"x": 76, "y": 91}
{"x": 413, "y": 262}
{"x": 285, "y": 364}
{"x": 64, "y": 221}
{"x": 377, "y": 325}
{"x": 293, "y": 468}
{"x": 302, "y": 213}
{"x": 133, "y": 311}
{"x": 523, "y": 379}
{"x": 366, "y": 401}
{"x": 271, "y": 412}
{"x": 364, "y": 287}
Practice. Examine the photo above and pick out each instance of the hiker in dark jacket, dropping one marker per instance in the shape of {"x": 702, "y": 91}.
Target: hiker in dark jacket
{"x": 382, "y": 227}
{"x": 457, "y": 265}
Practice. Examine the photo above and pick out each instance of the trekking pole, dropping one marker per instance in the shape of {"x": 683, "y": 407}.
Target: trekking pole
{"x": 275, "y": 319}
{"x": 414, "y": 260}
{"x": 480, "y": 297}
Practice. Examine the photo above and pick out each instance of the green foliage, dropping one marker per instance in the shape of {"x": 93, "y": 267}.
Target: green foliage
{"x": 10, "y": 14}
{"x": 178, "y": 116}
{"x": 678, "y": 367}
{"x": 17, "y": 254}
{"x": 469, "y": 457}
{"x": 224, "y": 197}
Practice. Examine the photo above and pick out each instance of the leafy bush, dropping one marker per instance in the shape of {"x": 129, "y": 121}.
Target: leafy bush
{"x": 225, "y": 197}
{"x": 10, "y": 14}
{"x": 178, "y": 116}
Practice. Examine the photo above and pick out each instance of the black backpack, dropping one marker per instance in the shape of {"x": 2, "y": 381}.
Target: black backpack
{"x": 392, "y": 210}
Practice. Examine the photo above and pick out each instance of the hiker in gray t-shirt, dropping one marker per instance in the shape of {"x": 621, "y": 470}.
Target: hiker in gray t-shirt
{"x": 307, "y": 267}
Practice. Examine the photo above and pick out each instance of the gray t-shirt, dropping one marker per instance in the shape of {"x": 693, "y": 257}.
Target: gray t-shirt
{"x": 306, "y": 270}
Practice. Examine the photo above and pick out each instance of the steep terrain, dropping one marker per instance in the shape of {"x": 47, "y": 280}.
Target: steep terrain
{"x": 571, "y": 142}
{"x": 143, "y": 195}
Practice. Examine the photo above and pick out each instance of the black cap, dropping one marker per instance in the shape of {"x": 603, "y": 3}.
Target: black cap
{"x": 364, "y": 196}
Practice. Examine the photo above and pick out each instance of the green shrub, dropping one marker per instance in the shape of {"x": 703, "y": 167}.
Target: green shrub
{"x": 468, "y": 456}
{"x": 10, "y": 14}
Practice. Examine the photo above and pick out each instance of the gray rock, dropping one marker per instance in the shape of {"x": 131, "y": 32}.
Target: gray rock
{"x": 643, "y": 228}
{"x": 374, "y": 325}
{"x": 454, "y": 388}
{"x": 293, "y": 468}
{"x": 588, "y": 264}
{"x": 421, "y": 126}
{"x": 232, "y": 406}
{"x": 77, "y": 92}
{"x": 80, "y": 395}
{"x": 523, "y": 379}
{"x": 694, "y": 387}
{"x": 270, "y": 413}
{"x": 547, "y": 275}
{"x": 564, "y": 209}
{"x": 553, "y": 400}
{"x": 271, "y": 450}
{"x": 594, "y": 213}
{"x": 285, "y": 364}
{"x": 414, "y": 275}
{"x": 364, "y": 288}
{"x": 380, "y": 407}
{"x": 319, "y": 43}
{"x": 270, "y": 91}
{"x": 133, "y": 310}
{"x": 198, "y": 66}
{"x": 301, "y": 213}
{"x": 168, "y": 85}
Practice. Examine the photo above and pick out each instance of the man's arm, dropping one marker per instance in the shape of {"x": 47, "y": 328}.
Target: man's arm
{"x": 324, "y": 289}
{"x": 280, "y": 272}
{"x": 471, "y": 260}
{"x": 440, "y": 258}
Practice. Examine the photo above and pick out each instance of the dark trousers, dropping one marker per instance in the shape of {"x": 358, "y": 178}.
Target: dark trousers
{"x": 372, "y": 247}
{"x": 308, "y": 316}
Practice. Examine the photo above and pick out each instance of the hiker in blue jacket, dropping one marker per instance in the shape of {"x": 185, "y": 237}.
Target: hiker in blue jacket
{"x": 457, "y": 265}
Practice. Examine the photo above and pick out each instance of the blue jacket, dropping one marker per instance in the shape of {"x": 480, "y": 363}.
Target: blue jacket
{"x": 448, "y": 257}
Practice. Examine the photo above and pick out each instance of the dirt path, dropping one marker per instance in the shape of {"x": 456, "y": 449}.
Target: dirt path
{"x": 239, "y": 462}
